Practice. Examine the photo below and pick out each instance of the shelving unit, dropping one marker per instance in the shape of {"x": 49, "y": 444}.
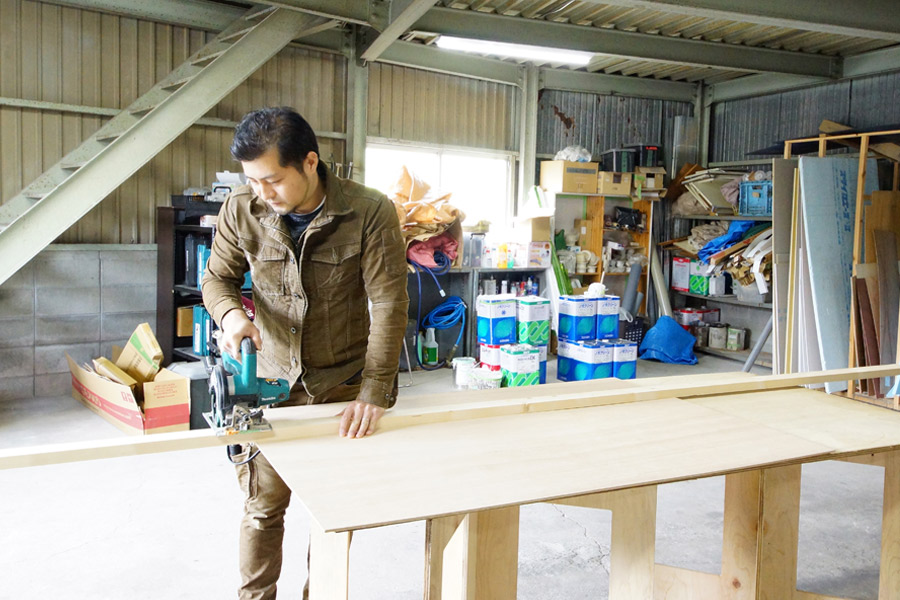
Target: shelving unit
{"x": 173, "y": 224}
{"x": 595, "y": 207}
{"x": 765, "y": 358}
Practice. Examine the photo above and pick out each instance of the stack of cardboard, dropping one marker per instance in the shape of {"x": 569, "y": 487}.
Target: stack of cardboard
{"x": 131, "y": 391}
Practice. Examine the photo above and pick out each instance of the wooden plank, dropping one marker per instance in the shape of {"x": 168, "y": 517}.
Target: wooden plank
{"x": 458, "y": 582}
{"x": 782, "y": 240}
{"x": 862, "y": 166}
{"x": 888, "y": 150}
{"x": 673, "y": 583}
{"x": 828, "y": 197}
{"x": 791, "y": 326}
{"x": 846, "y": 426}
{"x": 329, "y": 564}
{"x": 321, "y": 420}
{"x": 779, "y": 533}
{"x": 869, "y": 336}
{"x": 863, "y": 385}
{"x": 438, "y": 533}
{"x": 889, "y": 579}
{"x": 888, "y": 293}
{"x": 739, "y": 539}
{"x": 538, "y": 457}
{"x": 633, "y": 546}
{"x": 480, "y": 558}
{"x": 881, "y": 211}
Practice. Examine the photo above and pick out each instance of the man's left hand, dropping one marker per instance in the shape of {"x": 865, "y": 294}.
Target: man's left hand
{"x": 359, "y": 418}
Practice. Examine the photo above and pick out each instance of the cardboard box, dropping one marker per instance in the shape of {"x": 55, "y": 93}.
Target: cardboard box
{"x": 107, "y": 368}
{"x": 569, "y": 177}
{"x": 610, "y": 183}
{"x": 184, "y": 321}
{"x": 651, "y": 179}
{"x": 166, "y": 406}
{"x": 141, "y": 356}
{"x": 681, "y": 274}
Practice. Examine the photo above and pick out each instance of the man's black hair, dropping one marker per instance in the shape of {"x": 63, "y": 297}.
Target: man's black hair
{"x": 282, "y": 128}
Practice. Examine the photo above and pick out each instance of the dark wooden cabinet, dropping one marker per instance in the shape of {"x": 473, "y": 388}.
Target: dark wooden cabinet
{"x": 176, "y": 227}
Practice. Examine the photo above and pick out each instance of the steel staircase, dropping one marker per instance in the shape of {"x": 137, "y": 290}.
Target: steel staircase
{"x": 80, "y": 180}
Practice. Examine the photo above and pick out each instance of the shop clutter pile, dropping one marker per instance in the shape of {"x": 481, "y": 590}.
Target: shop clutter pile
{"x": 588, "y": 346}
{"x": 431, "y": 226}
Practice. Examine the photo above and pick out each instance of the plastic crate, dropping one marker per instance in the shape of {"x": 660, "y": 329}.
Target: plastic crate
{"x": 632, "y": 331}
{"x": 755, "y": 199}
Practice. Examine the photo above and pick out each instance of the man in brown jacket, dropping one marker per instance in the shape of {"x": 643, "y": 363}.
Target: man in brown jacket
{"x": 319, "y": 250}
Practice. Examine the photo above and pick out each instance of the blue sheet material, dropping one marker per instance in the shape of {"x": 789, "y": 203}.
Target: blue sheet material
{"x": 668, "y": 342}
{"x": 736, "y": 232}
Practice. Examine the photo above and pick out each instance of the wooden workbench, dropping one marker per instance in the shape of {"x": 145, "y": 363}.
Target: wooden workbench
{"x": 464, "y": 463}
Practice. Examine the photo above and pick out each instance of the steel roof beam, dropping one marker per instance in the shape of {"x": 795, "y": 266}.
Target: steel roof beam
{"x": 199, "y": 14}
{"x": 482, "y": 26}
{"x": 859, "y": 18}
{"x": 401, "y": 20}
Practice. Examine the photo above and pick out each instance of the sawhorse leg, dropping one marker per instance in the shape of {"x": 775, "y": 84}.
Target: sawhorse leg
{"x": 329, "y": 564}
{"x": 473, "y": 556}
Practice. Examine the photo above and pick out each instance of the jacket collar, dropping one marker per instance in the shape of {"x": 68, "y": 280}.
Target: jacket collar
{"x": 336, "y": 204}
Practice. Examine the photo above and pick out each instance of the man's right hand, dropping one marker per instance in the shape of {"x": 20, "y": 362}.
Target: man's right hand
{"x": 235, "y": 327}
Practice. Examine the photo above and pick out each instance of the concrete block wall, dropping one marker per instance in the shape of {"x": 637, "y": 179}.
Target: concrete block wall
{"x": 75, "y": 298}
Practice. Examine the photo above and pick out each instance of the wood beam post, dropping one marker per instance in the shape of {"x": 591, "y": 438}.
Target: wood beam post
{"x": 329, "y": 564}
{"x": 473, "y": 557}
{"x": 889, "y": 579}
{"x": 779, "y": 523}
{"x": 740, "y": 536}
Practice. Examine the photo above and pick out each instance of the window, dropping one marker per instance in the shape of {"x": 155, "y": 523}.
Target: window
{"x": 480, "y": 183}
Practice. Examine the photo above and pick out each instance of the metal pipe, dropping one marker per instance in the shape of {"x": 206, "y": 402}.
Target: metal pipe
{"x": 757, "y": 347}
{"x": 659, "y": 284}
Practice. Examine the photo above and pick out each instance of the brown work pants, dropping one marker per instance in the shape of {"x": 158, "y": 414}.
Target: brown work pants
{"x": 266, "y": 499}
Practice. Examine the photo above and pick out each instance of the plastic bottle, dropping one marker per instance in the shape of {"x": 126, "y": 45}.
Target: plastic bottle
{"x": 431, "y": 348}
{"x": 529, "y": 287}
{"x": 504, "y": 287}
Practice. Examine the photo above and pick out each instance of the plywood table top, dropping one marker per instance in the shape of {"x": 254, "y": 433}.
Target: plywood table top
{"x": 437, "y": 469}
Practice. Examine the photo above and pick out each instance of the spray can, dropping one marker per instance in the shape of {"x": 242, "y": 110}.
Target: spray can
{"x": 430, "y": 348}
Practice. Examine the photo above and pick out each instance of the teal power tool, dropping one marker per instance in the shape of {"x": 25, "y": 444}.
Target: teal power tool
{"x": 237, "y": 395}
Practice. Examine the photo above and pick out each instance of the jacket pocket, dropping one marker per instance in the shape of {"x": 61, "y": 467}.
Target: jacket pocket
{"x": 267, "y": 264}
{"x": 336, "y": 266}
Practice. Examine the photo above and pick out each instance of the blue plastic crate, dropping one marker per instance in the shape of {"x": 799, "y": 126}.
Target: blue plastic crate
{"x": 755, "y": 199}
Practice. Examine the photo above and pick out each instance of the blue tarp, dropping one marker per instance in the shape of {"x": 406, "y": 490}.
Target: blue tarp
{"x": 668, "y": 342}
{"x": 736, "y": 232}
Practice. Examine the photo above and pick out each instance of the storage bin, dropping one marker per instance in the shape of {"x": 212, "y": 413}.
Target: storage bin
{"x": 755, "y": 199}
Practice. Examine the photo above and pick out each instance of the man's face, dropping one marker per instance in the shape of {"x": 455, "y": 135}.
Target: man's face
{"x": 284, "y": 189}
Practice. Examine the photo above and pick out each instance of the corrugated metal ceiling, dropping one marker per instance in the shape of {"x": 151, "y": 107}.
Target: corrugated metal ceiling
{"x": 668, "y": 24}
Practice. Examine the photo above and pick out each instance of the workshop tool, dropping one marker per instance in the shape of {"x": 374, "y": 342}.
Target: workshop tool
{"x": 237, "y": 395}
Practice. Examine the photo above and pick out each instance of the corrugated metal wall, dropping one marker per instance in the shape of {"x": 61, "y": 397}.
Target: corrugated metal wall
{"x": 424, "y": 106}
{"x": 56, "y": 54}
{"x": 600, "y": 122}
{"x": 741, "y": 126}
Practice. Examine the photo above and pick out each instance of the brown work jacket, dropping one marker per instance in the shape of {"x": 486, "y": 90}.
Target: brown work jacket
{"x": 312, "y": 300}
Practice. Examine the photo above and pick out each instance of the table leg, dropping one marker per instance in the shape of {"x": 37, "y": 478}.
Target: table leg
{"x": 889, "y": 580}
{"x": 740, "y": 535}
{"x": 329, "y": 564}
{"x": 778, "y": 533}
{"x": 473, "y": 557}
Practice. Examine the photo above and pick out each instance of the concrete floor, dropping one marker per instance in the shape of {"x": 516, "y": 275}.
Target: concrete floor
{"x": 165, "y": 526}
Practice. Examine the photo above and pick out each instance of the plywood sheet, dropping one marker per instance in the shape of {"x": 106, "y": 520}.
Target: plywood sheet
{"x": 868, "y": 337}
{"x": 888, "y": 293}
{"x": 446, "y": 468}
{"x": 782, "y": 207}
{"x": 834, "y": 421}
{"x": 828, "y": 196}
{"x": 882, "y": 211}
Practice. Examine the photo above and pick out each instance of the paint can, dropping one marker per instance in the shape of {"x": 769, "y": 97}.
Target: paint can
{"x": 462, "y": 372}
{"x": 718, "y": 335}
{"x": 736, "y": 337}
{"x": 700, "y": 330}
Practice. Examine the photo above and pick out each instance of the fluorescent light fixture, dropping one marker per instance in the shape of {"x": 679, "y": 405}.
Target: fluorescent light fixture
{"x": 539, "y": 53}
